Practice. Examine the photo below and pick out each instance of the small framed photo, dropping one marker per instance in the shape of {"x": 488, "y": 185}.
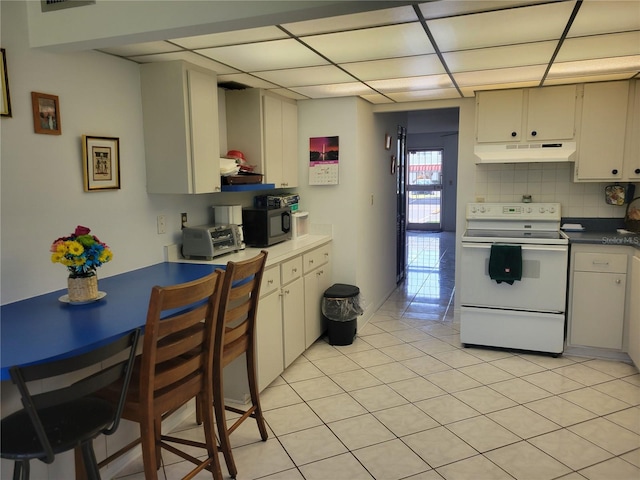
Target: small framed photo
{"x": 387, "y": 142}
{"x": 5, "y": 99}
{"x": 101, "y": 163}
{"x": 46, "y": 113}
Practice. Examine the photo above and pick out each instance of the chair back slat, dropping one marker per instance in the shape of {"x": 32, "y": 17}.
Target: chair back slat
{"x": 178, "y": 342}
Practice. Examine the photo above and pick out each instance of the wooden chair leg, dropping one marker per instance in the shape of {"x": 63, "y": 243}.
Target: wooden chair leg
{"x": 149, "y": 447}
{"x": 221, "y": 422}
{"x": 255, "y": 395}
{"x": 210, "y": 435}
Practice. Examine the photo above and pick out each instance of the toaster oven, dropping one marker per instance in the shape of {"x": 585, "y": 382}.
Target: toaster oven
{"x": 208, "y": 241}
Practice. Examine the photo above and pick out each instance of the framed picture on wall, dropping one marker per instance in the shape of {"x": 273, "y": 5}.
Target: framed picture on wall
{"x": 46, "y": 113}
{"x": 5, "y": 99}
{"x": 101, "y": 163}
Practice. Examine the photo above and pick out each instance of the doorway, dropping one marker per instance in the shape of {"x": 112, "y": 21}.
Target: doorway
{"x": 424, "y": 189}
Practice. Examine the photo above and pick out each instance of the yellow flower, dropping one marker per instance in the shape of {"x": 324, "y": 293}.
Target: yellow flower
{"x": 106, "y": 256}
{"x": 57, "y": 257}
{"x": 75, "y": 248}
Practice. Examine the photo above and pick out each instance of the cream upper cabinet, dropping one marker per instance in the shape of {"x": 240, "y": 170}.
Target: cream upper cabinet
{"x": 181, "y": 131}
{"x": 264, "y": 127}
{"x": 602, "y": 132}
{"x": 526, "y": 115}
{"x": 632, "y": 154}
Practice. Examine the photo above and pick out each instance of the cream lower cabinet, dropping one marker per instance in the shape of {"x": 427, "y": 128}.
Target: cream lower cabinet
{"x": 317, "y": 278}
{"x": 634, "y": 310}
{"x": 597, "y": 298}
{"x": 269, "y": 340}
{"x": 292, "y": 309}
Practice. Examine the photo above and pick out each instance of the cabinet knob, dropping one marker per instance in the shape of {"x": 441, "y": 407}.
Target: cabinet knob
{"x": 294, "y": 270}
{"x": 534, "y": 133}
{"x": 311, "y": 262}
{"x": 614, "y": 171}
{"x": 270, "y": 281}
{"x": 513, "y": 134}
{"x": 637, "y": 171}
{"x": 618, "y": 281}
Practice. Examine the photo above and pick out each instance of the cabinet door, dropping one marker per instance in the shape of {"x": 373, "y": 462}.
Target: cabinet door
{"x": 499, "y": 116}
{"x": 632, "y": 157}
{"x": 602, "y": 133}
{"x": 634, "y": 312}
{"x": 269, "y": 342}
{"x": 597, "y": 320}
{"x": 272, "y": 111}
{"x": 289, "y": 144}
{"x": 203, "y": 111}
{"x": 551, "y": 113}
{"x": 315, "y": 284}
{"x": 293, "y": 320}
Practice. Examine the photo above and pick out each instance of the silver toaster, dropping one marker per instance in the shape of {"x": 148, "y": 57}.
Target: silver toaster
{"x": 208, "y": 241}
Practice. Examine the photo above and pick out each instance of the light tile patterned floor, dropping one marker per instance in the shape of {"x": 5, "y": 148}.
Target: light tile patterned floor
{"x": 406, "y": 401}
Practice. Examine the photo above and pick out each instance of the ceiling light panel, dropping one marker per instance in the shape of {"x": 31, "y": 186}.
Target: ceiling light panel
{"x": 334, "y": 90}
{"x": 505, "y": 27}
{"x": 396, "y": 67}
{"x": 500, "y": 57}
{"x": 352, "y": 22}
{"x": 141, "y": 49}
{"x": 231, "y": 38}
{"x": 412, "y": 83}
{"x": 298, "y": 77}
{"x": 402, "y": 40}
{"x": 265, "y": 55}
{"x": 600, "y": 46}
{"x": 605, "y": 17}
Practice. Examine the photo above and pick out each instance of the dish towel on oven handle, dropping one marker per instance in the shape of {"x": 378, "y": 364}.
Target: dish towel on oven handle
{"x": 505, "y": 263}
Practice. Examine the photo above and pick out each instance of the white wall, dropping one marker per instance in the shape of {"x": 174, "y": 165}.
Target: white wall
{"x": 42, "y": 195}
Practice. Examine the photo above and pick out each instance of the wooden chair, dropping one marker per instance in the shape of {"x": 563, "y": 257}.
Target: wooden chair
{"x": 175, "y": 366}
{"x": 235, "y": 335}
{"x": 68, "y": 416}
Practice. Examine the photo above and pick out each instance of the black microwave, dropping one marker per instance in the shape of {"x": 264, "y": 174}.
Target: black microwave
{"x": 263, "y": 227}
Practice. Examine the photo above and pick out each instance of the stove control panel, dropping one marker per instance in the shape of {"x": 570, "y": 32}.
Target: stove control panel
{"x": 513, "y": 211}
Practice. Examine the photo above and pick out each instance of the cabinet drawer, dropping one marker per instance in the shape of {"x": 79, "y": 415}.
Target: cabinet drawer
{"x": 600, "y": 262}
{"x": 291, "y": 270}
{"x": 315, "y": 258}
{"x": 270, "y": 280}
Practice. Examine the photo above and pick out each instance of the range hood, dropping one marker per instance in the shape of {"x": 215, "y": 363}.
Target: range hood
{"x": 526, "y": 152}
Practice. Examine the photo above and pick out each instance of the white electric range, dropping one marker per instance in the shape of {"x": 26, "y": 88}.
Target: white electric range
{"x": 528, "y": 313}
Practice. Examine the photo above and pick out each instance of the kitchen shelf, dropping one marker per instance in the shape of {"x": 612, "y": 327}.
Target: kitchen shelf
{"x": 248, "y": 187}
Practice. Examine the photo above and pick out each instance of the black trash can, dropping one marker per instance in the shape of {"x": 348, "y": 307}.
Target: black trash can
{"x": 341, "y": 307}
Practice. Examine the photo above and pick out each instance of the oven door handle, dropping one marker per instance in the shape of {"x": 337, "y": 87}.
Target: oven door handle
{"x": 525, "y": 246}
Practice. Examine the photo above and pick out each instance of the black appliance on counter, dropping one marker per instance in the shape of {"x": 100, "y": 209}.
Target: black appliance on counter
{"x": 266, "y": 226}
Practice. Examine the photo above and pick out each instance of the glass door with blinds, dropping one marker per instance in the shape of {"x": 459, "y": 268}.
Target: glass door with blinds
{"x": 424, "y": 190}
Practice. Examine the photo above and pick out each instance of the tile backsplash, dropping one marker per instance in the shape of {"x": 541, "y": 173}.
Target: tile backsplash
{"x": 545, "y": 182}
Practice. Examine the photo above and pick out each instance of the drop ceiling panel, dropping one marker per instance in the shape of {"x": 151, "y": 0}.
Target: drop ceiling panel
{"x": 376, "y": 99}
{"x": 519, "y": 25}
{"x": 412, "y": 83}
{"x": 372, "y": 43}
{"x": 470, "y": 90}
{"x": 396, "y": 67}
{"x": 265, "y": 55}
{"x": 600, "y": 46}
{"x": 605, "y": 17}
{"x": 142, "y": 49}
{"x": 448, "y": 8}
{"x": 500, "y": 76}
{"x": 588, "y": 79}
{"x": 260, "y": 34}
{"x": 246, "y": 79}
{"x": 500, "y": 57}
{"x": 440, "y": 94}
{"x": 601, "y": 66}
{"x": 353, "y": 21}
{"x": 298, "y": 77}
{"x": 187, "y": 56}
{"x": 288, "y": 93}
{"x": 334, "y": 90}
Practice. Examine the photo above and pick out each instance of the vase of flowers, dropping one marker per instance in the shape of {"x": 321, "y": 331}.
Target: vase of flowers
{"x": 82, "y": 253}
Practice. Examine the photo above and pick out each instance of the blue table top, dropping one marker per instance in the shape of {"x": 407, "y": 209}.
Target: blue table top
{"x": 43, "y": 328}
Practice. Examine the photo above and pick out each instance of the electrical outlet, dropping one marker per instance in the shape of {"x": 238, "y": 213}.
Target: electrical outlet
{"x": 183, "y": 219}
{"x": 162, "y": 224}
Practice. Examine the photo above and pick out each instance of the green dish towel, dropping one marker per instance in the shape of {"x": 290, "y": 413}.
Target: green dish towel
{"x": 505, "y": 263}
